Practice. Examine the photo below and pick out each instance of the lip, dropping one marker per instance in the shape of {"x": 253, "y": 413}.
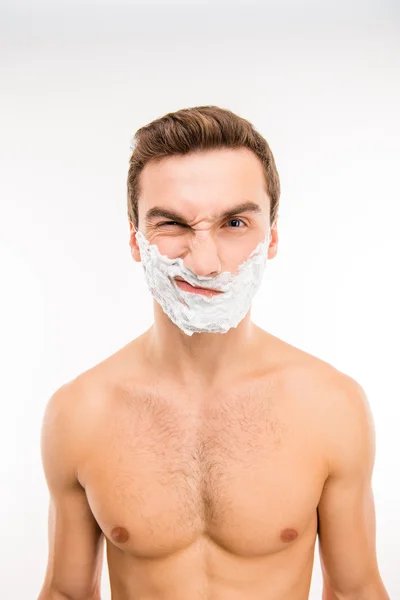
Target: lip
{"x": 187, "y": 287}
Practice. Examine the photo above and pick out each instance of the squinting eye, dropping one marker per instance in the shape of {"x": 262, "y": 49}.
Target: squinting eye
{"x": 168, "y": 223}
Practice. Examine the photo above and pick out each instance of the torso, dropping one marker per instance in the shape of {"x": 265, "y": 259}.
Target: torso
{"x": 208, "y": 494}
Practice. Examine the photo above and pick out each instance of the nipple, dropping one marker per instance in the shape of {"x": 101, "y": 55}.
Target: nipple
{"x": 288, "y": 535}
{"x": 120, "y": 535}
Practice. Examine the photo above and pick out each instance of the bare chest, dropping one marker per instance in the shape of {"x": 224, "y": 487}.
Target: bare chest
{"x": 243, "y": 468}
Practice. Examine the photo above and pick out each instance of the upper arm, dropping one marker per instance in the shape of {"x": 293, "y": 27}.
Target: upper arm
{"x": 75, "y": 541}
{"x": 346, "y": 511}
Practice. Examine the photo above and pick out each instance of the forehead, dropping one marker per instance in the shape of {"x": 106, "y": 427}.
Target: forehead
{"x": 205, "y": 181}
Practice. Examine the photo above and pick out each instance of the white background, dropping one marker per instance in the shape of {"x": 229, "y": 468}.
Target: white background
{"x": 320, "y": 80}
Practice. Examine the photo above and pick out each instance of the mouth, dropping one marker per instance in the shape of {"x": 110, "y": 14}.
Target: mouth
{"x": 186, "y": 287}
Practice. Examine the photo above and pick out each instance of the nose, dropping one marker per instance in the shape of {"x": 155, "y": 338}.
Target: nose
{"x": 202, "y": 257}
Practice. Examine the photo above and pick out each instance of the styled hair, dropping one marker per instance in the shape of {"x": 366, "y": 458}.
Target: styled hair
{"x": 193, "y": 130}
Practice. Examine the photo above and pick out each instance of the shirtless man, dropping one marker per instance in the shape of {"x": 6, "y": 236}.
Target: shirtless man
{"x": 208, "y": 453}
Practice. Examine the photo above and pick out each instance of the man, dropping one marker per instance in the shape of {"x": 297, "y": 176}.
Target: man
{"x": 208, "y": 453}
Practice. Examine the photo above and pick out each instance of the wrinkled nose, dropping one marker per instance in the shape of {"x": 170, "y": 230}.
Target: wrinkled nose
{"x": 203, "y": 258}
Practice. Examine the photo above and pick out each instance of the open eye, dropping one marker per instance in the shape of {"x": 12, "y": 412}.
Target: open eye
{"x": 237, "y": 220}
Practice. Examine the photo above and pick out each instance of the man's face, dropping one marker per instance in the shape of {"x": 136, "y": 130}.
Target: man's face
{"x": 195, "y": 191}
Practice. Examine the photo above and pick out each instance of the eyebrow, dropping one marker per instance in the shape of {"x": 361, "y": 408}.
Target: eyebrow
{"x": 158, "y": 211}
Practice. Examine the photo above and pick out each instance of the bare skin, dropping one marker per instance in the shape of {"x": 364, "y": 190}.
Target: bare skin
{"x": 209, "y": 463}
{"x": 209, "y": 493}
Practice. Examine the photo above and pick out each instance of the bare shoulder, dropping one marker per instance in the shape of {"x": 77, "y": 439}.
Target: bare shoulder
{"x": 298, "y": 366}
{"x": 69, "y": 417}
{"x": 82, "y": 406}
{"x": 335, "y": 401}
{"x": 96, "y": 382}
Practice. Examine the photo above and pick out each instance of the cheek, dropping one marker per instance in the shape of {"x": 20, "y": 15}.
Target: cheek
{"x": 172, "y": 247}
{"x": 234, "y": 254}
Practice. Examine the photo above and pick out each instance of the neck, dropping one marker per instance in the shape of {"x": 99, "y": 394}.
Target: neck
{"x": 202, "y": 358}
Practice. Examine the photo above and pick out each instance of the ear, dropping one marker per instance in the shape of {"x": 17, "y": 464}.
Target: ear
{"x": 273, "y": 244}
{"x": 135, "y": 251}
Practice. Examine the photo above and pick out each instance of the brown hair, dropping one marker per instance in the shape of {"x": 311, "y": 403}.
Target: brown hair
{"x": 195, "y": 129}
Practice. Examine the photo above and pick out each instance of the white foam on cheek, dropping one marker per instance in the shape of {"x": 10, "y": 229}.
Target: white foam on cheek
{"x": 195, "y": 312}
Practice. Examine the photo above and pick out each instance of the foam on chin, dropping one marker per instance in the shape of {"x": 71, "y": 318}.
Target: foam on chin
{"x": 196, "y": 313}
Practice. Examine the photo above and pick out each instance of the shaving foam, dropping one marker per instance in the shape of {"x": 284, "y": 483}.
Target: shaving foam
{"x": 195, "y": 313}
